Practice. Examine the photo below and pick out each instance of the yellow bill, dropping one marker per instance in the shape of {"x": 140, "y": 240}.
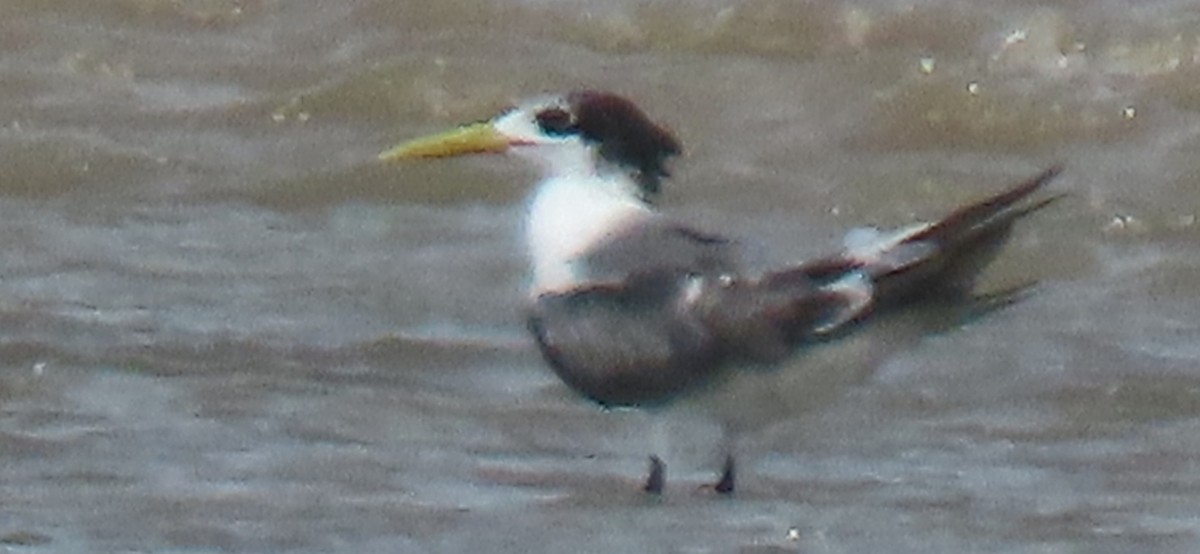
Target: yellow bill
{"x": 477, "y": 138}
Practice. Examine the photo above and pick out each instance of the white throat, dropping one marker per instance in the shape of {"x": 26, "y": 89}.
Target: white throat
{"x": 568, "y": 216}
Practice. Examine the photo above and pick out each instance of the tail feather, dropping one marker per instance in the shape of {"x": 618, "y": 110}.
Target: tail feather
{"x": 963, "y": 243}
{"x": 939, "y": 258}
{"x": 963, "y": 223}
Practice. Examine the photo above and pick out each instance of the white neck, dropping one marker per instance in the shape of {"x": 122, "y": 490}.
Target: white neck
{"x": 568, "y": 216}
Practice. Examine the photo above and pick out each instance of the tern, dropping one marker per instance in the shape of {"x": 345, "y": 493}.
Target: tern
{"x": 630, "y": 307}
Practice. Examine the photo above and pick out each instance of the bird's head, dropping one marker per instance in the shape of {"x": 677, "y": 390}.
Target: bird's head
{"x": 582, "y": 132}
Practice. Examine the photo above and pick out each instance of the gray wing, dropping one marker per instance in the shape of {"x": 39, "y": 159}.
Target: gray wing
{"x": 627, "y": 336}
{"x": 664, "y": 306}
{"x": 625, "y": 343}
{"x": 667, "y": 305}
{"x": 661, "y": 246}
{"x": 658, "y": 333}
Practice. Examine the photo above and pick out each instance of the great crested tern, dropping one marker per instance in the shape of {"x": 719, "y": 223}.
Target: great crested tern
{"x": 631, "y": 307}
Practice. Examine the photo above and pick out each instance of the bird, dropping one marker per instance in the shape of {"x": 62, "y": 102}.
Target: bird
{"x": 631, "y": 307}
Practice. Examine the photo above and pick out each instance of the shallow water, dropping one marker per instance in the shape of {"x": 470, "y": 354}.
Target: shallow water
{"x": 226, "y": 327}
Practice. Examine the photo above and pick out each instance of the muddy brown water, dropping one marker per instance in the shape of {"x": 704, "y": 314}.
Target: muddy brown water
{"x": 225, "y": 328}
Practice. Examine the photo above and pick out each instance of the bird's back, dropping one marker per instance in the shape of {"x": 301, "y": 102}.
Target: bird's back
{"x": 666, "y": 307}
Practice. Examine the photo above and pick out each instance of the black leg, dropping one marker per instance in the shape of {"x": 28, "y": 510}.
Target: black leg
{"x": 658, "y": 476}
{"x": 725, "y": 484}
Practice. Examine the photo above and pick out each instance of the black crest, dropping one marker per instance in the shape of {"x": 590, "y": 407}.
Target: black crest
{"x": 625, "y": 135}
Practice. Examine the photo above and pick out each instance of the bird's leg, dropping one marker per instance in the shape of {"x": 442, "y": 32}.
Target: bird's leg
{"x": 658, "y": 476}
{"x": 728, "y": 474}
{"x": 725, "y": 484}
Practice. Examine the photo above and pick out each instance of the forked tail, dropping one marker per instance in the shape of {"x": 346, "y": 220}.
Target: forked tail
{"x": 879, "y": 268}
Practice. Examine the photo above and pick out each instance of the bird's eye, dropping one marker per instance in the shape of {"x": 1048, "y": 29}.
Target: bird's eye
{"x": 556, "y": 122}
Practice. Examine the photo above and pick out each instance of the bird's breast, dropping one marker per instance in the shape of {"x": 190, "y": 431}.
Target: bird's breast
{"x": 570, "y": 216}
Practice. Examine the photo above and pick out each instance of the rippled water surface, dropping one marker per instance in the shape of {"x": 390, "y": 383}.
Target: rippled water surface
{"x": 225, "y": 327}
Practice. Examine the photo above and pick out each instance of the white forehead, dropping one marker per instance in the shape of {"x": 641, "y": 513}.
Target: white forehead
{"x": 521, "y": 121}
